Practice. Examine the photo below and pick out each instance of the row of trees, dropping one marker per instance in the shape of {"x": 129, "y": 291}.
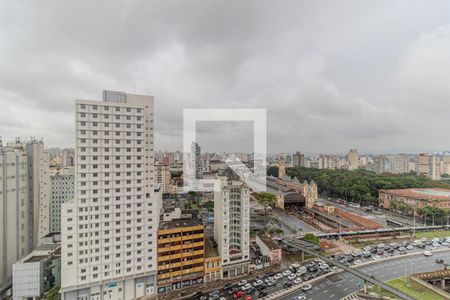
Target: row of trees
{"x": 428, "y": 214}
{"x": 359, "y": 185}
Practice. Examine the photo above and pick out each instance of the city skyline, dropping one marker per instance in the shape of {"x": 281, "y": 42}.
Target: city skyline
{"x": 359, "y": 78}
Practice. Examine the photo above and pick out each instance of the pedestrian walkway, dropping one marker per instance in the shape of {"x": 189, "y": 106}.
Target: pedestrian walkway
{"x": 353, "y": 296}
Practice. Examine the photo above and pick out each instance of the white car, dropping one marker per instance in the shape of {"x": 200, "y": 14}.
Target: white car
{"x": 242, "y": 282}
{"x": 298, "y": 280}
{"x": 258, "y": 282}
{"x": 306, "y": 287}
{"x": 428, "y": 253}
{"x": 287, "y": 273}
{"x": 278, "y": 276}
{"x": 357, "y": 262}
{"x": 246, "y": 287}
{"x": 295, "y": 266}
{"x": 324, "y": 266}
{"x": 375, "y": 257}
{"x": 347, "y": 253}
{"x": 301, "y": 297}
{"x": 292, "y": 276}
{"x": 409, "y": 247}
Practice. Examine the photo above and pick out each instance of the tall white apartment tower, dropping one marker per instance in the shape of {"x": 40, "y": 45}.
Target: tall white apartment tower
{"x": 39, "y": 191}
{"x": 232, "y": 225}
{"x": 14, "y": 216}
{"x": 109, "y": 232}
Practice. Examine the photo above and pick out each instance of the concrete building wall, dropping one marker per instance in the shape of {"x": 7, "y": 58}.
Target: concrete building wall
{"x": 109, "y": 232}
{"x": 232, "y": 225}
{"x": 14, "y": 216}
{"x": 63, "y": 189}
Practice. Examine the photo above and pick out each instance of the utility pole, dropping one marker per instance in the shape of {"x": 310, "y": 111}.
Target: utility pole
{"x": 405, "y": 271}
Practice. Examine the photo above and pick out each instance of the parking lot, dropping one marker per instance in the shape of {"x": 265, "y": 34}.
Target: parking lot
{"x": 301, "y": 274}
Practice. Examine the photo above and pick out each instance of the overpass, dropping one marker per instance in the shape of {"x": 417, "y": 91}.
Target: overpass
{"x": 336, "y": 235}
{"x": 312, "y": 250}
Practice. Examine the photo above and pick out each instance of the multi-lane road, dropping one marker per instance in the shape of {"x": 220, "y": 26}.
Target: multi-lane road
{"x": 340, "y": 285}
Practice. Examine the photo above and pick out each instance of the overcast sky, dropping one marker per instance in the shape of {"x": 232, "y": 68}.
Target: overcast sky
{"x": 333, "y": 75}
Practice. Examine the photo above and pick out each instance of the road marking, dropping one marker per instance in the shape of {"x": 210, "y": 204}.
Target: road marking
{"x": 331, "y": 296}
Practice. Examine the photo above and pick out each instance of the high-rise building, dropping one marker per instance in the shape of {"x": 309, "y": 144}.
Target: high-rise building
{"x": 163, "y": 177}
{"x": 298, "y": 159}
{"x": 68, "y": 157}
{"x": 429, "y": 166}
{"x": 196, "y": 161}
{"x": 353, "y": 159}
{"x": 446, "y": 165}
{"x": 281, "y": 168}
{"x": 14, "y": 215}
{"x": 63, "y": 188}
{"x": 398, "y": 164}
{"x": 232, "y": 225}
{"x": 327, "y": 162}
{"x": 108, "y": 233}
{"x": 39, "y": 191}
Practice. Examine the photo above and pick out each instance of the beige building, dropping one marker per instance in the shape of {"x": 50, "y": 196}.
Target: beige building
{"x": 353, "y": 159}
{"x": 163, "y": 177}
{"x": 429, "y": 166}
{"x": 281, "y": 168}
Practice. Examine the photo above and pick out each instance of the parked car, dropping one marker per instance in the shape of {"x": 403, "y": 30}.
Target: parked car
{"x": 297, "y": 280}
{"x": 242, "y": 282}
{"x": 238, "y": 294}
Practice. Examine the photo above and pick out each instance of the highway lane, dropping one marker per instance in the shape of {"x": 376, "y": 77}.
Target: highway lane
{"x": 340, "y": 285}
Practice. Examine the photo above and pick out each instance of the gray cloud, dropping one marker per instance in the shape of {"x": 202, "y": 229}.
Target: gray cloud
{"x": 332, "y": 75}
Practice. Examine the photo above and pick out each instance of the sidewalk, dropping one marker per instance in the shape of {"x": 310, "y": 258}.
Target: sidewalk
{"x": 218, "y": 284}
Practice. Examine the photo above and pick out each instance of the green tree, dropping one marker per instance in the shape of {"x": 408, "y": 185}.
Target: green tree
{"x": 312, "y": 238}
{"x": 266, "y": 199}
{"x": 209, "y": 205}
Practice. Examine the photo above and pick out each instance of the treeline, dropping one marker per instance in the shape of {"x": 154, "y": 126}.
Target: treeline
{"x": 359, "y": 185}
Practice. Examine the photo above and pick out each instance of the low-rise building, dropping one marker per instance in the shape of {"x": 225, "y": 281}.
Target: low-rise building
{"x": 213, "y": 261}
{"x": 39, "y": 271}
{"x": 416, "y": 197}
{"x": 269, "y": 248}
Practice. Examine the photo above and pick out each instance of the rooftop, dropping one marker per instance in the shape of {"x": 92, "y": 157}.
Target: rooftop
{"x": 422, "y": 193}
{"x": 188, "y": 218}
{"x": 210, "y": 250}
{"x": 269, "y": 242}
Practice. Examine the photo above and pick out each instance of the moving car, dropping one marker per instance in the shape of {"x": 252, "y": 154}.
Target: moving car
{"x": 428, "y": 253}
{"x": 306, "y": 287}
